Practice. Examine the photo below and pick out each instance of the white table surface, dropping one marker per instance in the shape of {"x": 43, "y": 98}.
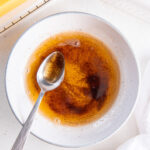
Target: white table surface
{"x": 135, "y": 29}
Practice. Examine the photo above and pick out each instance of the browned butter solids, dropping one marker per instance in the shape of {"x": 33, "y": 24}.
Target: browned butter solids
{"x": 90, "y": 84}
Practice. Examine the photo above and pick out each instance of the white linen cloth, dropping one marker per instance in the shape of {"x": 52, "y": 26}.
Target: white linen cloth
{"x": 142, "y": 113}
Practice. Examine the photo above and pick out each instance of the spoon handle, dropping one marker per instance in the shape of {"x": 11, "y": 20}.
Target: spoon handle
{"x": 19, "y": 143}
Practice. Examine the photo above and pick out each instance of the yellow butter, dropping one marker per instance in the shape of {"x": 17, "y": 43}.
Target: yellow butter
{"x": 8, "y": 5}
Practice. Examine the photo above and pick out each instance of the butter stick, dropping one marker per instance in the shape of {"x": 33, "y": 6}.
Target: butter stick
{"x": 8, "y": 5}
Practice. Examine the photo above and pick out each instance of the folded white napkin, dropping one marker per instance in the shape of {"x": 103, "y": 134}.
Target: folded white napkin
{"x": 140, "y": 142}
{"x": 142, "y": 113}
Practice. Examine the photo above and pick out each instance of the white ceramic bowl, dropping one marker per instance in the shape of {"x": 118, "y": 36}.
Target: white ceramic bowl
{"x": 64, "y": 135}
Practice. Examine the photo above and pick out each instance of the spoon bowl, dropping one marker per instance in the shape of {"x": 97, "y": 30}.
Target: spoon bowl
{"x": 50, "y": 78}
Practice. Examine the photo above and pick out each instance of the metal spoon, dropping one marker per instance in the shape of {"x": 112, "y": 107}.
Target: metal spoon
{"x": 49, "y": 76}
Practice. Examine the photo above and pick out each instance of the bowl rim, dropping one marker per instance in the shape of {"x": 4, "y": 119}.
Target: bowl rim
{"x": 125, "y": 40}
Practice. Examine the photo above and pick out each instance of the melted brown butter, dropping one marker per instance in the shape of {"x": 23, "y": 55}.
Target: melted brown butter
{"x": 90, "y": 84}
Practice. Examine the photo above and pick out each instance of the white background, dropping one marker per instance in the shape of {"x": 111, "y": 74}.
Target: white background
{"x": 130, "y": 17}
